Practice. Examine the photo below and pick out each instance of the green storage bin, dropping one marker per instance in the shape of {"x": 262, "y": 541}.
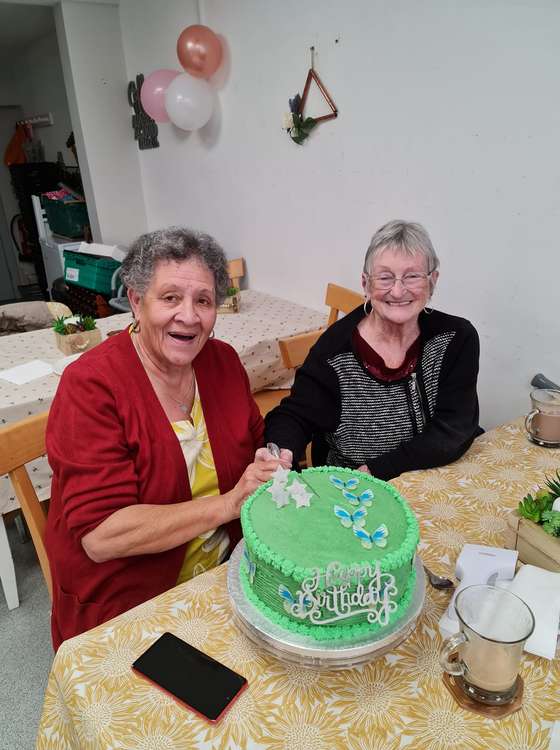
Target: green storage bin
{"x": 67, "y": 219}
{"x": 89, "y": 271}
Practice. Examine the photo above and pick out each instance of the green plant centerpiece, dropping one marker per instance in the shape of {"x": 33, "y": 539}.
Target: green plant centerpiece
{"x": 76, "y": 334}
{"x": 231, "y": 302}
{"x": 75, "y": 324}
{"x": 538, "y": 508}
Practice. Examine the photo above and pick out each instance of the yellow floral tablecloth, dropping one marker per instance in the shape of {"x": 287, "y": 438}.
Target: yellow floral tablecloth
{"x": 93, "y": 699}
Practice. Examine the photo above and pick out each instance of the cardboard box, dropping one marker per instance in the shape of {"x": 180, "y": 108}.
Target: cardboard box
{"x": 534, "y": 545}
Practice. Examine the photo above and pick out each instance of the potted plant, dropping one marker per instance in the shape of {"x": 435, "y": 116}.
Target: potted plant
{"x": 534, "y": 528}
{"x": 76, "y": 334}
{"x": 231, "y": 302}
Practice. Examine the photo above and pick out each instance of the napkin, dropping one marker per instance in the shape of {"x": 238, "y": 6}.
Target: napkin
{"x": 540, "y": 590}
{"x": 28, "y": 371}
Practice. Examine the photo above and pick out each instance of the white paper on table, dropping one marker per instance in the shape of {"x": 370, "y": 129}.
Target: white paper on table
{"x": 540, "y": 590}
{"x": 28, "y": 371}
{"x": 61, "y": 364}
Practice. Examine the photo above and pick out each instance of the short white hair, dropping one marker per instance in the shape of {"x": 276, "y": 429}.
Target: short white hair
{"x": 403, "y": 236}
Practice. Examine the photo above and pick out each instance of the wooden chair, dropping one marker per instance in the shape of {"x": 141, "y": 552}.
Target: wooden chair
{"x": 20, "y": 443}
{"x": 236, "y": 271}
{"x": 340, "y": 299}
{"x": 295, "y": 349}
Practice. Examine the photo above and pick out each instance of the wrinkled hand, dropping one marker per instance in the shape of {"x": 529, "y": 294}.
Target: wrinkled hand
{"x": 260, "y": 471}
{"x": 364, "y": 468}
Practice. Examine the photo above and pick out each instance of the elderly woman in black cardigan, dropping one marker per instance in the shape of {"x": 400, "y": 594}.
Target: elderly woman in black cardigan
{"x": 392, "y": 386}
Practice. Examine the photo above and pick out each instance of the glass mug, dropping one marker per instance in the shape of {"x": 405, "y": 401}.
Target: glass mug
{"x": 494, "y": 627}
{"x": 543, "y": 421}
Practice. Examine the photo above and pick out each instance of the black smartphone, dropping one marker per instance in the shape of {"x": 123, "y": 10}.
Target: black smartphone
{"x": 192, "y": 677}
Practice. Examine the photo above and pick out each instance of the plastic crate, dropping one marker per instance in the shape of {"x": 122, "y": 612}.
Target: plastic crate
{"x": 66, "y": 219}
{"x": 89, "y": 271}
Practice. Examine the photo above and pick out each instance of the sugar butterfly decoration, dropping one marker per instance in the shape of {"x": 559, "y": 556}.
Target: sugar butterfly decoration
{"x": 289, "y": 600}
{"x": 251, "y": 566}
{"x": 379, "y": 536}
{"x": 356, "y": 519}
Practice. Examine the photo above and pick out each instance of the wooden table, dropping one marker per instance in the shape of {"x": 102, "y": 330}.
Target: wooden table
{"x": 93, "y": 699}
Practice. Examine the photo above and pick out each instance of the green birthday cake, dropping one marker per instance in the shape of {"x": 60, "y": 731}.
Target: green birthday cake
{"x": 329, "y": 553}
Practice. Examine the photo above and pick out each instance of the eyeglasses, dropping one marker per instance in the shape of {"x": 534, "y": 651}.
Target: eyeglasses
{"x": 412, "y": 280}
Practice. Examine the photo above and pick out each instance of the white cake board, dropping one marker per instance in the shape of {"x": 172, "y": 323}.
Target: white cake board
{"x": 308, "y": 652}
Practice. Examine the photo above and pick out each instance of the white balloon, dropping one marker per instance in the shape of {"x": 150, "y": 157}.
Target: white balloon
{"x": 189, "y": 102}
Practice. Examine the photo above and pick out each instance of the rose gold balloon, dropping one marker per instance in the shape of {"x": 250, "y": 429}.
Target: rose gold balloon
{"x": 199, "y": 51}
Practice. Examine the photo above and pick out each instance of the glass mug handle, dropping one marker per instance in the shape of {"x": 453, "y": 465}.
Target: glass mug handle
{"x": 529, "y": 420}
{"x": 449, "y": 647}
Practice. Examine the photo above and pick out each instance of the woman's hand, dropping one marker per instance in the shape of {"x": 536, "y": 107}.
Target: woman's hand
{"x": 260, "y": 471}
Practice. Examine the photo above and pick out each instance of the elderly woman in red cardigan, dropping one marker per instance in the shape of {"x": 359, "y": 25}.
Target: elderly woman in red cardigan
{"x": 153, "y": 439}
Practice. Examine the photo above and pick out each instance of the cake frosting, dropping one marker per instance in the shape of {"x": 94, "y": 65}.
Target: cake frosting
{"x": 329, "y": 552}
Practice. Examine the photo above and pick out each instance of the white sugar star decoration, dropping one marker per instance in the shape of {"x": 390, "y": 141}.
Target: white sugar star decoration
{"x": 280, "y": 496}
{"x": 280, "y": 477}
{"x": 299, "y": 493}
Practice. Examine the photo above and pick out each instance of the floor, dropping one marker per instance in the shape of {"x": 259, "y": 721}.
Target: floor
{"x": 25, "y": 650}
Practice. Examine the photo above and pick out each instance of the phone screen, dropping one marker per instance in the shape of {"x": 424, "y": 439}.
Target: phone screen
{"x": 196, "y": 679}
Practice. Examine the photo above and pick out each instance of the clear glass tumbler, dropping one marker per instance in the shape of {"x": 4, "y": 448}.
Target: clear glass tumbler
{"x": 494, "y": 625}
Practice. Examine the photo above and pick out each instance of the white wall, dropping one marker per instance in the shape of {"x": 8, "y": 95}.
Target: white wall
{"x": 447, "y": 116}
{"x": 40, "y": 89}
{"x": 96, "y": 82}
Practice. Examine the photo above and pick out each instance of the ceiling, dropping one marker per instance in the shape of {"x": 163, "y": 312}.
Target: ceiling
{"x": 20, "y": 25}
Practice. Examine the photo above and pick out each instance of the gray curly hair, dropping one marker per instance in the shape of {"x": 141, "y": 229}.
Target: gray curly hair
{"x": 174, "y": 244}
{"x": 404, "y": 236}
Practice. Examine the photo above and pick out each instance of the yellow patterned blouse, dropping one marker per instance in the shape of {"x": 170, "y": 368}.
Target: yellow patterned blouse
{"x": 209, "y": 549}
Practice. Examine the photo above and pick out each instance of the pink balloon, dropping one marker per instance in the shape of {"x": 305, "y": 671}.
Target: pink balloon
{"x": 152, "y": 93}
{"x": 199, "y": 51}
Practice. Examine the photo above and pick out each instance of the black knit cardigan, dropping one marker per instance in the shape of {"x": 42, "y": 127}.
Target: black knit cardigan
{"x": 427, "y": 419}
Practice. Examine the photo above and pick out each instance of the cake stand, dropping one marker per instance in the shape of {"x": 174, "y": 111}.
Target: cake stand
{"x": 307, "y": 651}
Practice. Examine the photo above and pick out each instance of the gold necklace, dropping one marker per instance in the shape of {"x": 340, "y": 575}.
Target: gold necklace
{"x": 186, "y": 404}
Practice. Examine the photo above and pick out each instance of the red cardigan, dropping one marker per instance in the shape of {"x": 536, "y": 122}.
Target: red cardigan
{"x": 111, "y": 445}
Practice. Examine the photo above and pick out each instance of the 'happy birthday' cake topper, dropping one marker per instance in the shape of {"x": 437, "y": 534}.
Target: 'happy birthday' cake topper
{"x": 325, "y": 598}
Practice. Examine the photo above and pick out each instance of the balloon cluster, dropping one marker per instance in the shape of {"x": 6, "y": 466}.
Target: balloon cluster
{"x": 186, "y": 99}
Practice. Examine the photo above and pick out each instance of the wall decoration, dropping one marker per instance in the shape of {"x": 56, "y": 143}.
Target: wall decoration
{"x": 296, "y": 123}
{"x": 145, "y": 128}
{"x": 189, "y": 102}
{"x": 152, "y": 93}
{"x": 199, "y": 51}
{"x": 184, "y": 98}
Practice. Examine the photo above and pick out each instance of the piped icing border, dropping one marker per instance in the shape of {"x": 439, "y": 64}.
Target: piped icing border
{"x": 390, "y": 562}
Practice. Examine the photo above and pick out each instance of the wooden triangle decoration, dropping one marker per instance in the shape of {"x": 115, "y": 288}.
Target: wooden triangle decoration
{"x": 312, "y": 76}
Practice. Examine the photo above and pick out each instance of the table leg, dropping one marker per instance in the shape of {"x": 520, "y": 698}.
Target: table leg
{"x": 7, "y": 570}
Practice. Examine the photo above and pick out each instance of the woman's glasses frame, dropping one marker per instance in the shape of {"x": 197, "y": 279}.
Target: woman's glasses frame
{"x": 413, "y": 280}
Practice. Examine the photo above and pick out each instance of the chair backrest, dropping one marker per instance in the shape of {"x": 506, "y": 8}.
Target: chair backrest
{"x": 236, "y": 271}
{"x": 340, "y": 299}
{"x": 295, "y": 349}
{"x": 20, "y": 443}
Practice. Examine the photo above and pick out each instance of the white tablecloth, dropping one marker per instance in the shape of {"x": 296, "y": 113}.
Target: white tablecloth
{"x": 253, "y": 332}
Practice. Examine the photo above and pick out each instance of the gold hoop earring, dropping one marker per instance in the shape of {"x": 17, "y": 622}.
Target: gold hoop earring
{"x": 213, "y": 334}
{"x": 135, "y": 326}
{"x": 366, "y": 313}
{"x": 428, "y": 310}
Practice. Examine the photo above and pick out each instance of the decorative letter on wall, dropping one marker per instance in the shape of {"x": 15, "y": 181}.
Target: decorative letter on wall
{"x": 145, "y": 129}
